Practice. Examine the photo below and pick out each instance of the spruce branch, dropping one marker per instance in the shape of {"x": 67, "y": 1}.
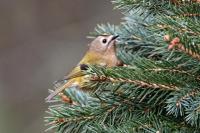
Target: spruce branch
{"x": 136, "y": 82}
{"x": 176, "y": 43}
{"x": 192, "y": 93}
{"x": 156, "y": 91}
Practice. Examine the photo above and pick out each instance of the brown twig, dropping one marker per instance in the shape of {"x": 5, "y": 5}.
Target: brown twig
{"x": 181, "y": 30}
{"x": 136, "y": 82}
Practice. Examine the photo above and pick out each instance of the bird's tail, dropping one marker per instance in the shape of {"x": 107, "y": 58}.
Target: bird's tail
{"x": 60, "y": 89}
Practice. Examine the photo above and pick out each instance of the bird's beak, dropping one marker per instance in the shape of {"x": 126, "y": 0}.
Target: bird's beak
{"x": 114, "y": 37}
{"x": 112, "y": 40}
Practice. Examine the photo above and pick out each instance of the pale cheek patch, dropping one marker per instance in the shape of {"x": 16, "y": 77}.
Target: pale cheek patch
{"x": 103, "y": 64}
{"x": 75, "y": 83}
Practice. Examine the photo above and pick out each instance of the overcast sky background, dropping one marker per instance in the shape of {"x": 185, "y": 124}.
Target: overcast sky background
{"x": 41, "y": 41}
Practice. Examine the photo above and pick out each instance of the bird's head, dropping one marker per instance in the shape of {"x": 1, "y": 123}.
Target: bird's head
{"x": 103, "y": 43}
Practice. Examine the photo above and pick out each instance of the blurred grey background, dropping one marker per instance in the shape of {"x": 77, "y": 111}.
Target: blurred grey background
{"x": 40, "y": 41}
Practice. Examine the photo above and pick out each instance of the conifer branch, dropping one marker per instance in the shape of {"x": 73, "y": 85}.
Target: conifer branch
{"x": 192, "y": 93}
{"x": 173, "y": 71}
{"x": 180, "y": 30}
{"x": 136, "y": 82}
{"x": 182, "y": 48}
{"x": 77, "y": 119}
{"x": 158, "y": 91}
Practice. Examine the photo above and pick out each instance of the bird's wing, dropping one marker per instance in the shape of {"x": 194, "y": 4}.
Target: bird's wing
{"x": 89, "y": 58}
{"x": 71, "y": 78}
{"x": 60, "y": 89}
{"x": 76, "y": 72}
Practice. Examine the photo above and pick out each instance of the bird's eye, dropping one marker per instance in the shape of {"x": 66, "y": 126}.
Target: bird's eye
{"x": 104, "y": 41}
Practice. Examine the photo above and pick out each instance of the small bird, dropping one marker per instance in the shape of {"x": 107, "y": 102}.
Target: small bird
{"x": 102, "y": 51}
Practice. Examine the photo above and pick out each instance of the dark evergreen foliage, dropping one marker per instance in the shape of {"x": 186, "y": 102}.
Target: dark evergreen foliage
{"x": 157, "y": 91}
